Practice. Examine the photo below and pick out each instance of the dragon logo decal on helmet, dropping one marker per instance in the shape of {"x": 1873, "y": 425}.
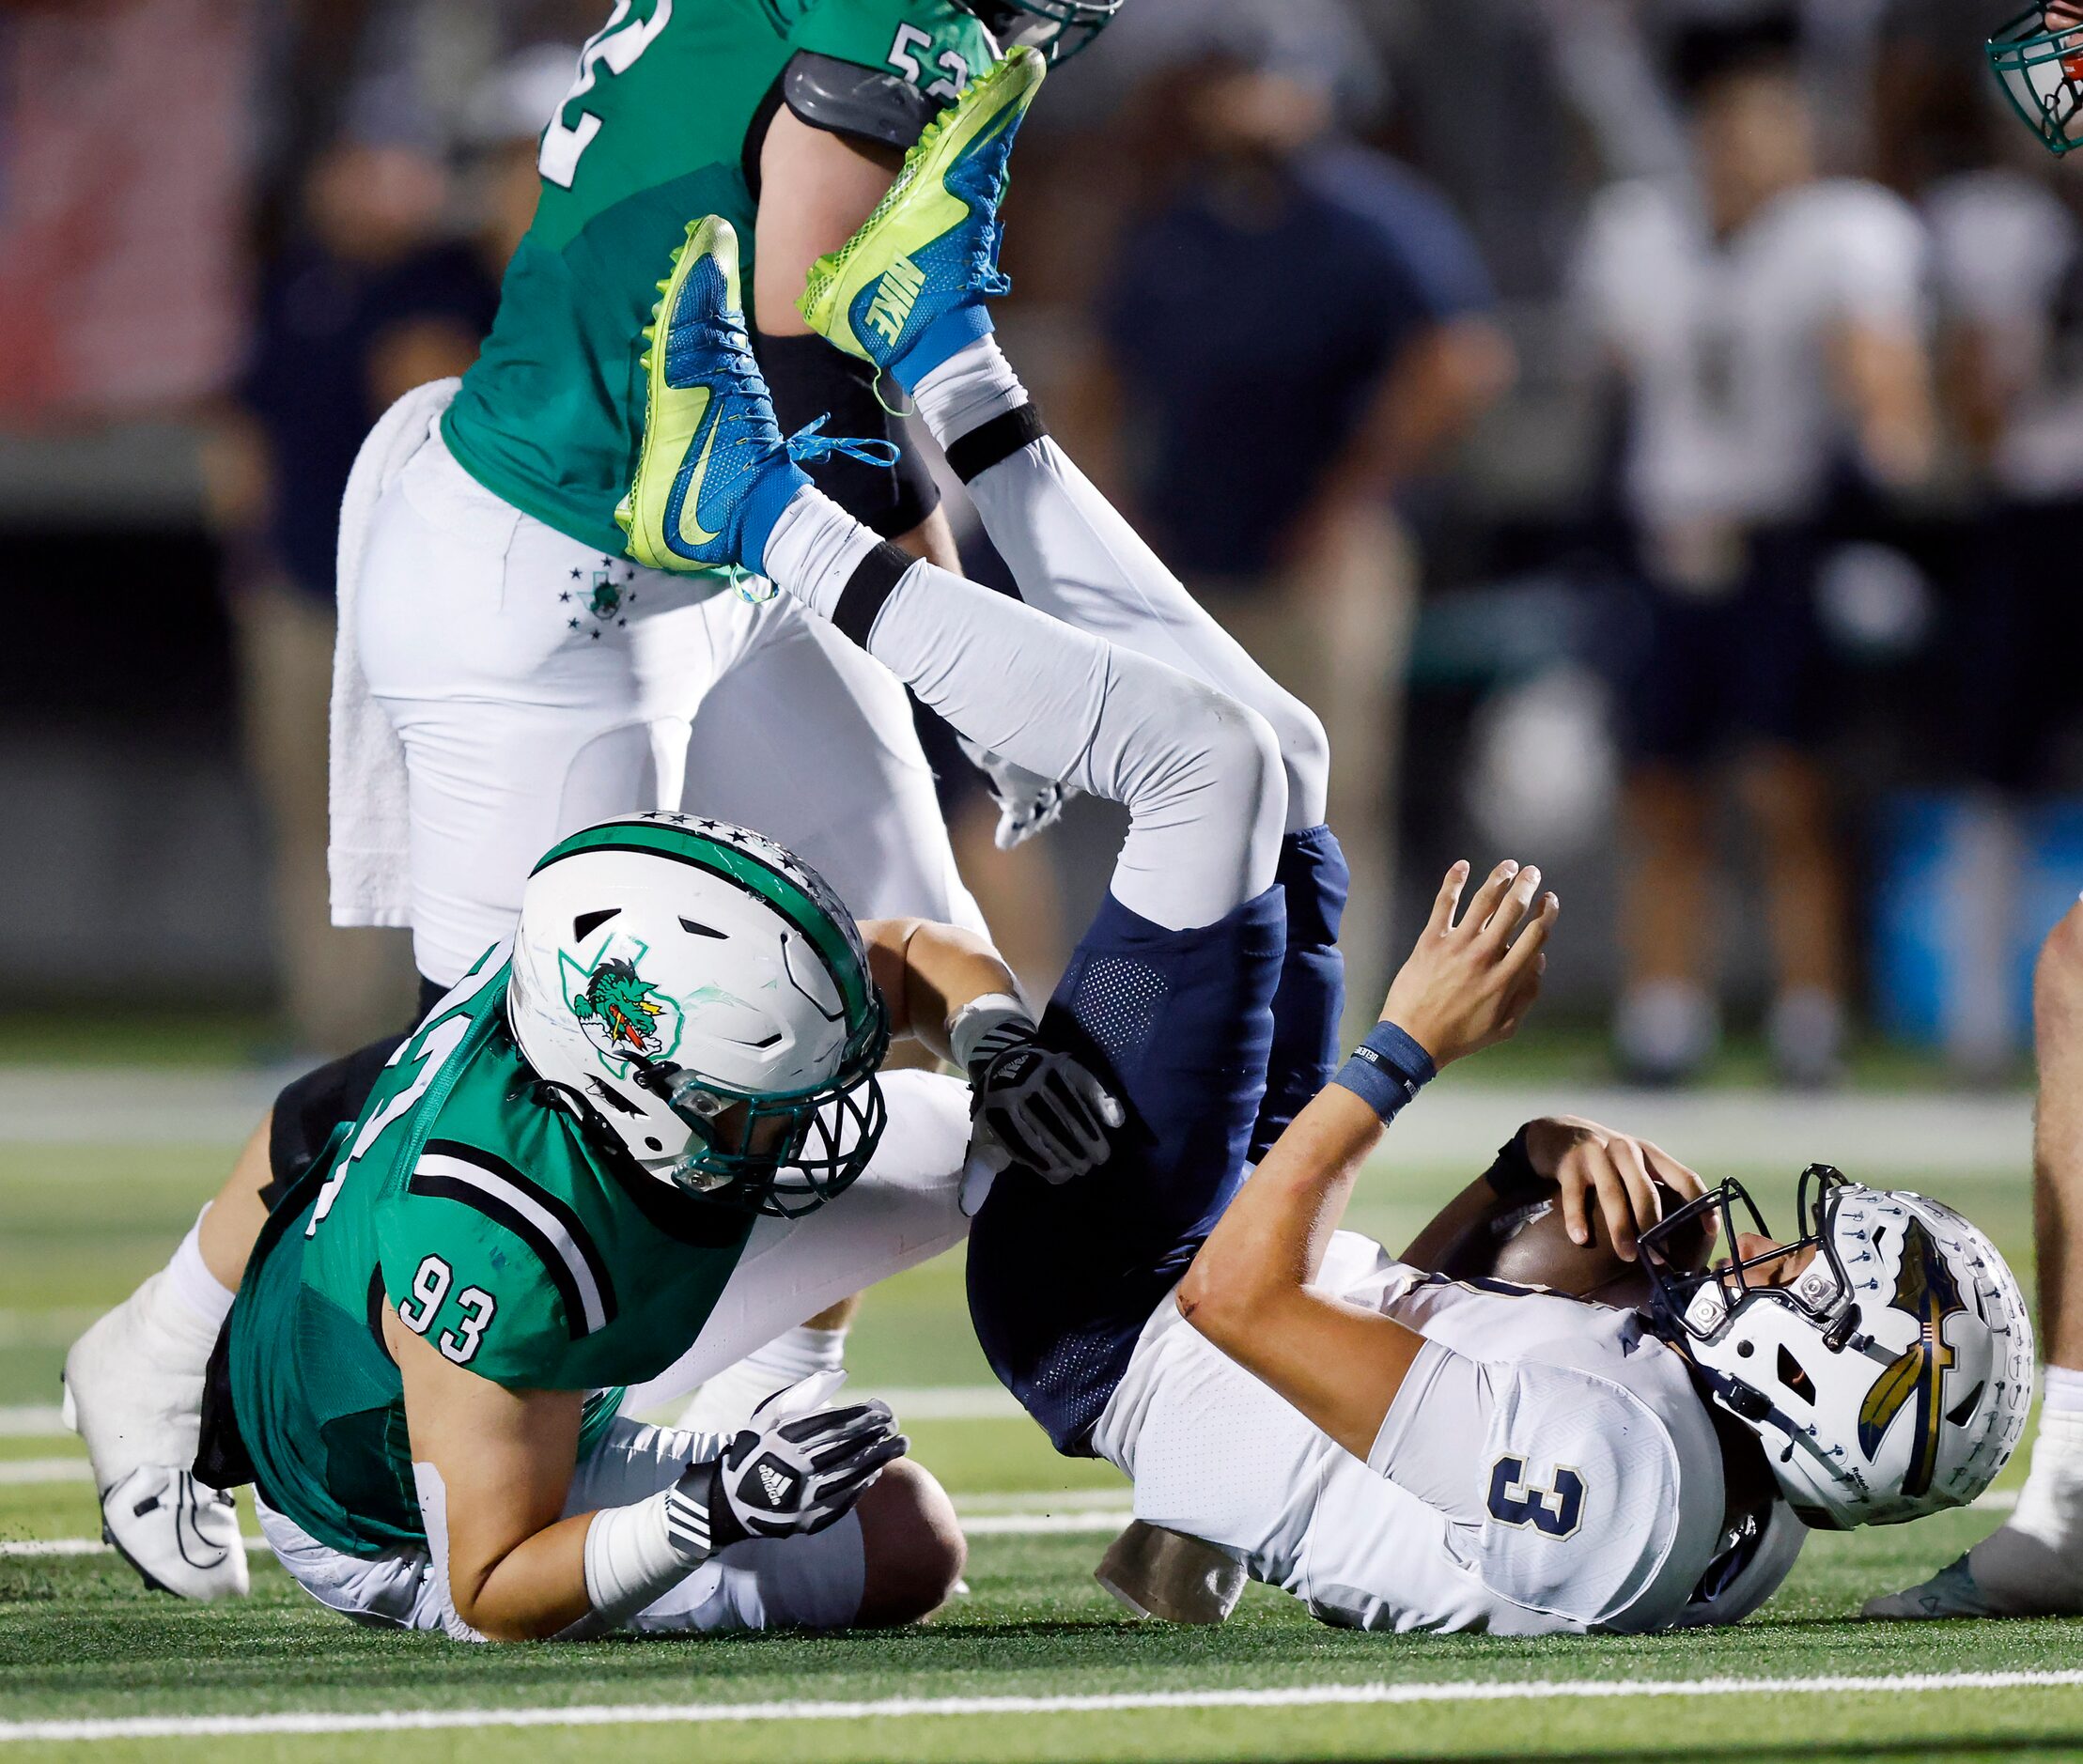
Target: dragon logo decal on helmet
{"x": 701, "y": 998}
{"x": 621, "y": 1011}
{"x": 1887, "y": 1378}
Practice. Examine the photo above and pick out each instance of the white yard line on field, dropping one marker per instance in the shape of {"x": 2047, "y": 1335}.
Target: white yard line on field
{"x": 923, "y": 1402}
{"x": 1035, "y": 1514}
{"x": 57, "y": 1328}
{"x": 1896, "y": 1132}
{"x": 1297, "y": 1697}
{"x": 14, "y": 1471}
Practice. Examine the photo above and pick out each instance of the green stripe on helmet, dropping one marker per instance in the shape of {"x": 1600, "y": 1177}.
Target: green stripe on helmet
{"x": 822, "y": 921}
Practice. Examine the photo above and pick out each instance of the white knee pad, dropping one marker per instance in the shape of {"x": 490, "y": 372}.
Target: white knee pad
{"x": 1206, "y": 791}
{"x": 1305, "y": 756}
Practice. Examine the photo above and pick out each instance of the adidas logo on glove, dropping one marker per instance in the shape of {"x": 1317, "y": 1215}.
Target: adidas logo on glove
{"x": 776, "y": 1484}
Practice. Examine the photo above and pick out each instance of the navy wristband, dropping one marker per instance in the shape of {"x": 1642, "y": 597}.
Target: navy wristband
{"x": 1387, "y": 1070}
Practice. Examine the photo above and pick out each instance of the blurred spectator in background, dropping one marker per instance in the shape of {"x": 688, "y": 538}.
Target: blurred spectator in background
{"x": 368, "y": 297}
{"x": 1295, "y": 326}
{"x": 1768, "y": 324}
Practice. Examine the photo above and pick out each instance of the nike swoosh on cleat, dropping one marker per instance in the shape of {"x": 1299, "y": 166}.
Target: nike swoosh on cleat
{"x": 691, "y": 529}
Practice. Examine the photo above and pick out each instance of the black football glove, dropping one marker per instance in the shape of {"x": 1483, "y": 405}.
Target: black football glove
{"x": 795, "y": 1471}
{"x": 1036, "y": 1107}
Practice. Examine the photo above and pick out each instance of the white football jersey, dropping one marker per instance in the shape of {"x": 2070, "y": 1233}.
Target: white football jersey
{"x": 1593, "y": 1502}
{"x": 2005, "y": 252}
{"x": 1725, "y": 341}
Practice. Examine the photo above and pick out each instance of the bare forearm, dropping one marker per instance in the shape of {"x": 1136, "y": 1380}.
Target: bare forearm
{"x": 1273, "y": 1237}
{"x": 535, "y": 1590}
{"x": 1249, "y": 1289}
{"x": 927, "y": 973}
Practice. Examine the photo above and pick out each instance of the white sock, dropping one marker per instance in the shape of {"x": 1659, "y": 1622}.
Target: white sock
{"x": 2050, "y": 1505}
{"x": 815, "y": 549}
{"x": 798, "y": 1354}
{"x": 2061, "y": 1390}
{"x": 966, "y": 391}
{"x": 725, "y": 1403}
{"x": 191, "y": 1287}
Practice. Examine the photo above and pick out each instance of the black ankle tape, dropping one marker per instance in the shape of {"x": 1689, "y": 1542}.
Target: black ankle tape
{"x": 868, "y": 588}
{"x": 1003, "y": 437}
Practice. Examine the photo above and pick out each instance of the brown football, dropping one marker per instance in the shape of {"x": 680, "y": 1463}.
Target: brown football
{"x": 1530, "y": 1245}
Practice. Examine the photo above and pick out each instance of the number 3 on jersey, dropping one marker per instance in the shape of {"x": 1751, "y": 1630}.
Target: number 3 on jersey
{"x": 1554, "y": 1513}
{"x": 429, "y": 1286}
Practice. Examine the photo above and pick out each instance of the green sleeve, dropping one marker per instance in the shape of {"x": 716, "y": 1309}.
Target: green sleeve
{"x": 476, "y": 1289}
{"x": 931, "y": 43}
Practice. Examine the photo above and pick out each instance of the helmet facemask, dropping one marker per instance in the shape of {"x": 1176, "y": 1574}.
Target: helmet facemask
{"x": 2038, "y": 59}
{"x": 784, "y": 1154}
{"x": 1059, "y": 28}
{"x": 1699, "y": 1305}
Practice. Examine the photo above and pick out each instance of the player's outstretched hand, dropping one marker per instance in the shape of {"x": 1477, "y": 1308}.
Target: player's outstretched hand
{"x": 1628, "y": 1179}
{"x": 797, "y": 1469}
{"x": 1474, "y": 974}
{"x": 1038, "y": 1108}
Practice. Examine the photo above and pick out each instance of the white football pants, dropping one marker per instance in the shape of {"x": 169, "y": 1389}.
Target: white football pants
{"x": 780, "y": 1583}
{"x": 538, "y": 685}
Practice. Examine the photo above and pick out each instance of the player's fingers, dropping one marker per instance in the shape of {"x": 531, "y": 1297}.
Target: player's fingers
{"x": 1101, "y": 1099}
{"x": 1073, "y": 1114}
{"x": 1512, "y": 907}
{"x": 1483, "y": 904}
{"x": 1448, "y": 899}
{"x": 1570, "y": 1175}
{"x": 1532, "y": 939}
{"x": 1646, "y": 1204}
{"x": 1682, "y": 1181}
{"x": 1615, "y": 1204}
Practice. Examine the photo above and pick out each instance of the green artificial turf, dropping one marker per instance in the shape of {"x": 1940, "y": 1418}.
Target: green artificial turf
{"x": 80, "y": 1640}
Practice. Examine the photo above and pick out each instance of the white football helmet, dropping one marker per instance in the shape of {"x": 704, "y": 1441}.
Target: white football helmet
{"x": 700, "y": 995}
{"x": 1888, "y": 1380}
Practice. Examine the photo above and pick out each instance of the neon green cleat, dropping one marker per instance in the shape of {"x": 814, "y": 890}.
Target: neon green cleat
{"x": 907, "y": 290}
{"x": 712, "y": 471}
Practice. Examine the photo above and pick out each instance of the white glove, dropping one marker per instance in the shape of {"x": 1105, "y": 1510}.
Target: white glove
{"x": 1026, "y": 801}
{"x": 796, "y": 1469}
{"x": 1033, "y": 1107}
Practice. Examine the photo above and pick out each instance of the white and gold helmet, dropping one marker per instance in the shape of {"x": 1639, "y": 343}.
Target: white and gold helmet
{"x": 700, "y": 996}
{"x": 1888, "y": 1378}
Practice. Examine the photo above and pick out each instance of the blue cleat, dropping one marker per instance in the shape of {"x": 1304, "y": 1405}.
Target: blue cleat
{"x": 907, "y": 290}
{"x": 713, "y": 473}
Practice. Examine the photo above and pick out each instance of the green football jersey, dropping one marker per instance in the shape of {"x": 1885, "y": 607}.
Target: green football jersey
{"x": 659, "y": 129}
{"x": 477, "y": 1210}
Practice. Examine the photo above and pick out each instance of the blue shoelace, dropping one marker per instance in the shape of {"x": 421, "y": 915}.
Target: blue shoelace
{"x": 808, "y": 444}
